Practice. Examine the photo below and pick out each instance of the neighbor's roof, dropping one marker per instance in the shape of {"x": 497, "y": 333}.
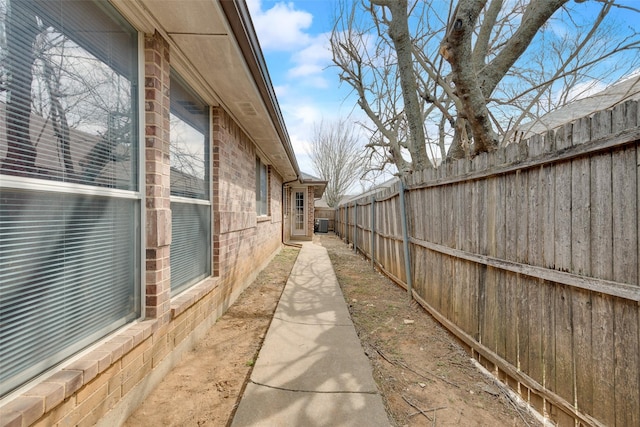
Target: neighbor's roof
{"x": 628, "y": 89}
{"x": 319, "y": 185}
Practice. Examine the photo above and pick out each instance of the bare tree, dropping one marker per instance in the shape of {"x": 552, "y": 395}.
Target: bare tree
{"x": 337, "y": 157}
{"x": 478, "y": 68}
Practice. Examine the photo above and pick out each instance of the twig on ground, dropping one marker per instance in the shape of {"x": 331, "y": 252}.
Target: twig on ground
{"x": 427, "y": 410}
{"x": 405, "y": 366}
{"x": 420, "y": 411}
{"x": 515, "y": 405}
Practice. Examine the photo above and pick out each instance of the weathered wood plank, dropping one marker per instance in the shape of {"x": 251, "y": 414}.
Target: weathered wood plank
{"x": 454, "y": 218}
{"x": 489, "y": 309}
{"x": 562, "y": 229}
{"x": 535, "y": 286}
{"x": 511, "y": 319}
{"x": 601, "y": 266}
{"x": 581, "y": 300}
{"x": 500, "y": 249}
{"x": 522, "y": 251}
{"x": 548, "y": 325}
{"x": 434, "y": 268}
{"x": 564, "y": 360}
{"x": 563, "y": 141}
{"x": 602, "y": 341}
{"x": 627, "y": 364}
{"x": 617, "y": 289}
{"x": 511, "y": 312}
{"x": 522, "y": 216}
{"x": 535, "y": 319}
{"x": 547, "y": 205}
{"x": 626, "y": 221}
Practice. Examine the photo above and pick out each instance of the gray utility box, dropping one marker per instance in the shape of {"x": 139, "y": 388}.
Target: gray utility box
{"x": 323, "y": 225}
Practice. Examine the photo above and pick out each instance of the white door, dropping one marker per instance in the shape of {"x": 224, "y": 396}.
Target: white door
{"x": 299, "y": 223}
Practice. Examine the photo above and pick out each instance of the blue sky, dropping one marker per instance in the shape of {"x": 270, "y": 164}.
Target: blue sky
{"x": 293, "y": 35}
{"x": 294, "y": 40}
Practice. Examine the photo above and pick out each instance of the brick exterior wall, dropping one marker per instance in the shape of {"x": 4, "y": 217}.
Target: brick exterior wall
{"x": 107, "y": 382}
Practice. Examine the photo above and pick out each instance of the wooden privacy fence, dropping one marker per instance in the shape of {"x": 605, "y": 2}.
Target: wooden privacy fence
{"x": 529, "y": 255}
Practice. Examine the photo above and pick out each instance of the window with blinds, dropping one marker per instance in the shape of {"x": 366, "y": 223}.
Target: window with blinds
{"x": 262, "y": 185}
{"x": 190, "y": 200}
{"x": 69, "y": 199}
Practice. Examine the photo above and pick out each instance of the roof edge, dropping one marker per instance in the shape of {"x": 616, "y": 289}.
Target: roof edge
{"x": 237, "y": 14}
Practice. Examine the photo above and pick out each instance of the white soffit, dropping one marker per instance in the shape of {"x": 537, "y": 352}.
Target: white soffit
{"x": 199, "y": 31}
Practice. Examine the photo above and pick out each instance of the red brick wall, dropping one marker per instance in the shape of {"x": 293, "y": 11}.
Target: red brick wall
{"x": 113, "y": 377}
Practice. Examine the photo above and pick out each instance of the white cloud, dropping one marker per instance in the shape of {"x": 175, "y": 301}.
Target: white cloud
{"x": 281, "y": 90}
{"x": 282, "y": 27}
{"x": 312, "y": 61}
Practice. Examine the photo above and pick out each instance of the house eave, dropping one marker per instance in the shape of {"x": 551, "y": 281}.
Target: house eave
{"x": 215, "y": 48}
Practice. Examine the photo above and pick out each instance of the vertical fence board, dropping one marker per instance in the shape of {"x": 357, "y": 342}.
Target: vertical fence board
{"x": 490, "y": 325}
{"x": 581, "y": 300}
{"x": 461, "y": 270}
{"x": 477, "y": 285}
{"x": 500, "y": 240}
{"x": 564, "y": 363}
{"x": 522, "y": 247}
{"x": 447, "y": 272}
{"x": 601, "y": 266}
{"x": 511, "y": 313}
{"x": 626, "y": 222}
{"x": 627, "y": 362}
{"x": 431, "y": 266}
{"x": 548, "y": 335}
{"x": 547, "y": 205}
{"x": 564, "y": 366}
{"x": 535, "y": 286}
{"x": 626, "y": 219}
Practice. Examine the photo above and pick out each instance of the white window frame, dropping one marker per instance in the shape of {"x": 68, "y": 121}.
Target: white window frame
{"x": 52, "y": 187}
{"x": 262, "y": 206}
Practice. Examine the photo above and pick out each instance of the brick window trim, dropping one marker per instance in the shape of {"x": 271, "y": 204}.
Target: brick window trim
{"x": 186, "y": 299}
{"x": 42, "y": 395}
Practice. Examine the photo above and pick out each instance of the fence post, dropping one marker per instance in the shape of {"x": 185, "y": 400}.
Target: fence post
{"x": 405, "y": 240}
{"x": 373, "y": 229}
{"x": 355, "y": 226}
{"x": 346, "y": 224}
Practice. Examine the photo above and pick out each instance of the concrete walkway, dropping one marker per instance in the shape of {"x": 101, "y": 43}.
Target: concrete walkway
{"x": 311, "y": 370}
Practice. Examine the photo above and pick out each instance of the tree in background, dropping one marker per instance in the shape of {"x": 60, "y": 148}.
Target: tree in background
{"x": 450, "y": 80}
{"x": 337, "y": 157}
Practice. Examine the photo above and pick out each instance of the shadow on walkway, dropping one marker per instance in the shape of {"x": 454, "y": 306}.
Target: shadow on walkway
{"x": 311, "y": 370}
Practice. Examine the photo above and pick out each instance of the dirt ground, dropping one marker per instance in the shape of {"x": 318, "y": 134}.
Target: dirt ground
{"x": 205, "y": 386}
{"x": 424, "y": 376}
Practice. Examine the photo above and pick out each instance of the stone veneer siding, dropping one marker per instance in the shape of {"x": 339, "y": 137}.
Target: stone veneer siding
{"x": 109, "y": 380}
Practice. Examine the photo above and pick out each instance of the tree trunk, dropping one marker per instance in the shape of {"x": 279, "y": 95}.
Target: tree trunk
{"x": 399, "y": 34}
{"x": 456, "y": 49}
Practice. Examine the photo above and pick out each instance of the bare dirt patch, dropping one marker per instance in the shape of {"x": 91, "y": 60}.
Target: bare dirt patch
{"x": 423, "y": 374}
{"x": 204, "y": 387}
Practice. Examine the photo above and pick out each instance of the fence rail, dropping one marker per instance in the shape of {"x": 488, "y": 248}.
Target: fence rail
{"x": 529, "y": 255}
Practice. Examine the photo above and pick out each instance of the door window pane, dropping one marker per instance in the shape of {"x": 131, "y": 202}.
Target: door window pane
{"x": 299, "y": 211}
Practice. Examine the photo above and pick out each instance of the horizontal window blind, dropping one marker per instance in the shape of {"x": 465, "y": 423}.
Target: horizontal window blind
{"x": 68, "y": 266}
{"x": 69, "y": 252}
{"x": 69, "y": 104}
{"x": 190, "y": 207}
{"x": 190, "y": 244}
{"x": 261, "y": 188}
